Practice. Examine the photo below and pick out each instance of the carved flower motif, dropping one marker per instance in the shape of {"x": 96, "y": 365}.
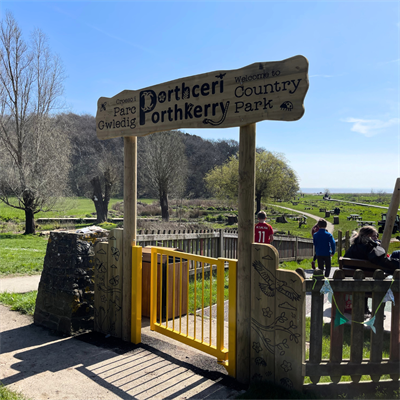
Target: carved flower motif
{"x": 257, "y": 347}
{"x": 267, "y": 312}
{"x": 286, "y": 366}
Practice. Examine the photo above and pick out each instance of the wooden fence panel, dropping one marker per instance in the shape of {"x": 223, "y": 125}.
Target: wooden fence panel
{"x": 375, "y": 366}
{"x": 208, "y": 243}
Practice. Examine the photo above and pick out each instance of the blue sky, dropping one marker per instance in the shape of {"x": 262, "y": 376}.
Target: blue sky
{"x": 349, "y": 136}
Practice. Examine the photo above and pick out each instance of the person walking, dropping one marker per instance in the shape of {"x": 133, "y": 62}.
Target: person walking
{"x": 263, "y": 232}
{"x": 325, "y": 247}
{"x": 314, "y": 229}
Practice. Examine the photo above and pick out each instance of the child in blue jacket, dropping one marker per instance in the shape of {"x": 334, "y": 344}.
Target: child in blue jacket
{"x": 325, "y": 247}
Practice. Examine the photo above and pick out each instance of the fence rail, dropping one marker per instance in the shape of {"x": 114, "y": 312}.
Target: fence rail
{"x": 222, "y": 243}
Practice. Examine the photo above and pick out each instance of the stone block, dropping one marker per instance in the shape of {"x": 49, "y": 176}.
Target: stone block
{"x": 65, "y": 300}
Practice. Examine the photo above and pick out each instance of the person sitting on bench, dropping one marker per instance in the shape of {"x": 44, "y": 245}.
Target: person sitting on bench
{"x": 365, "y": 245}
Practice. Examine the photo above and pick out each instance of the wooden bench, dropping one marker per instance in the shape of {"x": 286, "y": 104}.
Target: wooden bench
{"x": 349, "y": 265}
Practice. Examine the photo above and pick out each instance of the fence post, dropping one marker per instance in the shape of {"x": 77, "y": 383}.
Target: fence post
{"x": 347, "y": 241}
{"x": 296, "y": 248}
{"x": 221, "y": 252}
{"x": 340, "y": 245}
{"x": 277, "y": 320}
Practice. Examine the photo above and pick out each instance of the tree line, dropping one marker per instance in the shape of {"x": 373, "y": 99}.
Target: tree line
{"x": 45, "y": 154}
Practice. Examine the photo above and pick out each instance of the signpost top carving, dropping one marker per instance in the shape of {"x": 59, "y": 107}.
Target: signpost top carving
{"x": 220, "y": 99}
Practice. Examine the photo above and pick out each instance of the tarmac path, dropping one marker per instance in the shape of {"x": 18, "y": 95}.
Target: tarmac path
{"x": 330, "y": 228}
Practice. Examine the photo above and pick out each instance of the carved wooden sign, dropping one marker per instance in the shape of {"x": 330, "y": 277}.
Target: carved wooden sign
{"x": 220, "y": 99}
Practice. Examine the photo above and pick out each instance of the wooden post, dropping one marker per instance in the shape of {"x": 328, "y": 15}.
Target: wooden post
{"x": 247, "y": 154}
{"x": 340, "y": 245}
{"x": 221, "y": 250}
{"x": 391, "y": 216}
{"x": 130, "y": 216}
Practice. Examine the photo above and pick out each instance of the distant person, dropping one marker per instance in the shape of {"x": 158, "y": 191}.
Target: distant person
{"x": 365, "y": 245}
{"x": 325, "y": 247}
{"x": 314, "y": 229}
{"x": 263, "y": 232}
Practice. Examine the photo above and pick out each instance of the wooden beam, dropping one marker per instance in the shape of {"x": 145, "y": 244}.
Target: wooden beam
{"x": 247, "y": 154}
{"x": 391, "y": 216}
{"x": 130, "y": 223}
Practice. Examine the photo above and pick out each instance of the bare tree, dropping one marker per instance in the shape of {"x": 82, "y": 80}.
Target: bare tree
{"x": 163, "y": 166}
{"x": 97, "y": 166}
{"x": 34, "y": 154}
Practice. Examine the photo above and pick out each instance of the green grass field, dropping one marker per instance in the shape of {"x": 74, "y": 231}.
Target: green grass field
{"x": 312, "y": 204}
{"x": 21, "y": 254}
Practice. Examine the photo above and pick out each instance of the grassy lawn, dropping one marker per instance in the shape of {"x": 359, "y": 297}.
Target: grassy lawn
{"x": 21, "y": 254}
{"x": 79, "y": 207}
{"x": 312, "y": 204}
{"x": 203, "y": 292}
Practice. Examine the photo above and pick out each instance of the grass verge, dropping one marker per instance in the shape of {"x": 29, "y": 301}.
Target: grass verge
{"x": 7, "y": 394}
{"x": 22, "y": 302}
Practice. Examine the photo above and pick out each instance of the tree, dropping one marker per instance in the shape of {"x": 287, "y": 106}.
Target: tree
{"x": 97, "y": 166}
{"x": 34, "y": 154}
{"x": 274, "y": 178}
{"x": 162, "y": 166}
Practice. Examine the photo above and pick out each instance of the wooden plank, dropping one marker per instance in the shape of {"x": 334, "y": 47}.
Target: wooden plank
{"x": 349, "y": 285}
{"x": 101, "y": 303}
{"x": 247, "y": 150}
{"x": 290, "y": 329}
{"x": 336, "y": 334}
{"x": 114, "y": 283}
{"x": 263, "y": 315}
{"x": 129, "y": 237}
{"x": 395, "y": 327}
{"x": 357, "y": 329}
{"x": 275, "y": 90}
{"x": 317, "y": 309}
{"x": 376, "y": 337}
{"x": 351, "y": 390}
{"x": 346, "y": 367}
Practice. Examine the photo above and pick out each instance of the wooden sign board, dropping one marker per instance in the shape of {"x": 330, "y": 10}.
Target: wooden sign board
{"x": 219, "y": 99}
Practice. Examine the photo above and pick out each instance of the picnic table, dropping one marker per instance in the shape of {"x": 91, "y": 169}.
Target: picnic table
{"x": 362, "y": 223}
{"x": 354, "y": 217}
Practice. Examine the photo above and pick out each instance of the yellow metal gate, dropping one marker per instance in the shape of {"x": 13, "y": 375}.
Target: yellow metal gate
{"x": 188, "y": 302}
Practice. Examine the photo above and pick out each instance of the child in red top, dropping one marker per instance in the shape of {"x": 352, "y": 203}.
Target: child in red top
{"x": 263, "y": 232}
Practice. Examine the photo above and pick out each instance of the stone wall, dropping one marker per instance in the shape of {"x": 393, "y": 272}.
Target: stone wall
{"x": 65, "y": 297}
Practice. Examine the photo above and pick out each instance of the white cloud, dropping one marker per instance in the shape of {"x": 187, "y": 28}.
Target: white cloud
{"x": 370, "y": 127}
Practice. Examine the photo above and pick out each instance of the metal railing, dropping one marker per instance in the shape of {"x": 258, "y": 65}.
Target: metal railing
{"x": 192, "y": 309}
